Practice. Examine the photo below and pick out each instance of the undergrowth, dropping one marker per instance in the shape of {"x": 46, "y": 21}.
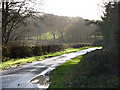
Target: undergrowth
{"x": 97, "y": 69}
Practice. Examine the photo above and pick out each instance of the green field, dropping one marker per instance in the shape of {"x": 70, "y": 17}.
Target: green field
{"x": 49, "y": 36}
{"x": 45, "y": 36}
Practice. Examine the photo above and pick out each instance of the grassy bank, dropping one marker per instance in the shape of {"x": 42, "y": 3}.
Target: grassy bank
{"x": 97, "y": 69}
{"x": 18, "y": 62}
{"x": 61, "y": 76}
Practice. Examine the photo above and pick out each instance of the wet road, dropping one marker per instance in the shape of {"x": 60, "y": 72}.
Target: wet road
{"x": 21, "y": 76}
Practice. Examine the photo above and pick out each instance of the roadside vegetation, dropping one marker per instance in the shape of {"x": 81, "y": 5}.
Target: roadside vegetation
{"x": 97, "y": 69}
{"x": 61, "y": 76}
{"x": 17, "y": 62}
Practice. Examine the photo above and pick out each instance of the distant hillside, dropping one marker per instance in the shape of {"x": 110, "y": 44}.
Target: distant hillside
{"x": 57, "y": 29}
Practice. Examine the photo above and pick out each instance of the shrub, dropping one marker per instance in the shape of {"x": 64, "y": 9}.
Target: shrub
{"x": 56, "y": 48}
{"x": 97, "y": 43}
{"x": 17, "y": 51}
{"x": 100, "y": 62}
{"x": 20, "y": 51}
{"x": 81, "y": 45}
{"x": 5, "y": 52}
{"x": 45, "y": 49}
{"x": 100, "y": 68}
{"x": 37, "y": 50}
{"x": 52, "y": 48}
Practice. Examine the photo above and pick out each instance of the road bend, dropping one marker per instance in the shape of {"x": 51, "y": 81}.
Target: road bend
{"x": 36, "y": 74}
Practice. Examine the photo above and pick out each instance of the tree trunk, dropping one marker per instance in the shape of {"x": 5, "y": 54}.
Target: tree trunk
{"x": 54, "y": 36}
{"x": 4, "y": 21}
{"x": 61, "y": 36}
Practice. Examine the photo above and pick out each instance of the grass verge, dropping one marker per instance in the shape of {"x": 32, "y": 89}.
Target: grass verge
{"x": 17, "y": 62}
{"x": 61, "y": 76}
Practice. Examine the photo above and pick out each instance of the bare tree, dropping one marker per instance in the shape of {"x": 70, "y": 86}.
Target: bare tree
{"x": 14, "y": 14}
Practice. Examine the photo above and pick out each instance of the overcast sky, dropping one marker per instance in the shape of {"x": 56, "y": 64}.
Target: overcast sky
{"x": 87, "y": 9}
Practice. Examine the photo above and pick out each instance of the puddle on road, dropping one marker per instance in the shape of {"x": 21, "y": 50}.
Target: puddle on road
{"x": 42, "y": 81}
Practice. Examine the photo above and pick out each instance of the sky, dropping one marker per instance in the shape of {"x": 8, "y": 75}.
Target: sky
{"x": 87, "y": 9}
